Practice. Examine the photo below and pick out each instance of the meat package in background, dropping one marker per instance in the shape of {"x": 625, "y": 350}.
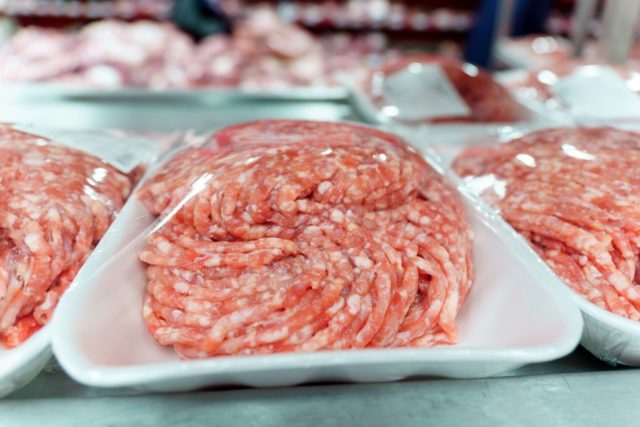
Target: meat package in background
{"x": 104, "y": 54}
{"x": 423, "y": 87}
{"x": 285, "y": 235}
{"x": 264, "y": 52}
{"x": 56, "y": 204}
{"x": 573, "y": 194}
{"x": 37, "y": 54}
{"x": 538, "y": 83}
{"x": 142, "y": 54}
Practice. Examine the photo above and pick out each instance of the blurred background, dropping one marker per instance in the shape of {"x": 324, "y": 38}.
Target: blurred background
{"x": 63, "y": 62}
{"x": 196, "y": 43}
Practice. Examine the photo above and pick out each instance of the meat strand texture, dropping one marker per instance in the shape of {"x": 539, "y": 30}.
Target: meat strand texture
{"x": 573, "y": 194}
{"x": 302, "y": 236}
{"x": 56, "y": 204}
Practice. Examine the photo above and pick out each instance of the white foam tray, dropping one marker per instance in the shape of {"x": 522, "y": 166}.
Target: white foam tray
{"x": 18, "y": 366}
{"x": 517, "y": 313}
{"x": 611, "y": 338}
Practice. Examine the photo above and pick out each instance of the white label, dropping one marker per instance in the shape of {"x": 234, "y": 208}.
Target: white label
{"x": 597, "y": 92}
{"x": 422, "y": 91}
{"x": 124, "y": 152}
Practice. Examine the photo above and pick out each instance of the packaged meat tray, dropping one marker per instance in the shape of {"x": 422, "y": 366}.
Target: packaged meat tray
{"x": 444, "y": 97}
{"x": 570, "y": 193}
{"x": 587, "y": 92}
{"x": 280, "y": 252}
{"x": 60, "y": 193}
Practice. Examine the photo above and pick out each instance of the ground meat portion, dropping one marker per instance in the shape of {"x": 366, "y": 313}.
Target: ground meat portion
{"x": 488, "y": 101}
{"x": 573, "y": 194}
{"x": 56, "y": 204}
{"x": 303, "y": 236}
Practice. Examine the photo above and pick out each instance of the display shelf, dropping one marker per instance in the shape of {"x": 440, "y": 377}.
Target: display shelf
{"x": 576, "y": 390}
{"x": 59, "y": 13}
{"x": 370, "y": 15}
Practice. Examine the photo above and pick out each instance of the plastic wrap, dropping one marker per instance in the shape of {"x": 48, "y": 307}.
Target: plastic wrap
{"x": 276, "y": 241}
{"x": 590, "y": 93}
{"x": 350, "y": 231}
{"x": 572, "y": 194}
{"x": 431, "y": 89}
{"x": 444, "y": 98}
{"x": 57, "y": 203}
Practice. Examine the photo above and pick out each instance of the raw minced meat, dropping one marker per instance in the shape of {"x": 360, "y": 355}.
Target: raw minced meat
{"x": 303, "y": 236}
{"x": 56, "y": 204}
{"x": 573, "y": 194}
